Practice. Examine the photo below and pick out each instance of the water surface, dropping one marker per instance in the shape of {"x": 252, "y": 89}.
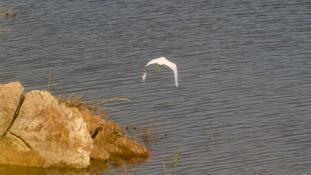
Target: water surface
{"x": 243, "y": 105}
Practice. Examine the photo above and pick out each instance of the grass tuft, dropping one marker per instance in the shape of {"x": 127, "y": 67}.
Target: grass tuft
{"x": 79, "y": 103}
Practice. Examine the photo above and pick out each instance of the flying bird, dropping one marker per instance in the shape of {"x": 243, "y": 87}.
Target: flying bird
{"x": 160, "y": 62}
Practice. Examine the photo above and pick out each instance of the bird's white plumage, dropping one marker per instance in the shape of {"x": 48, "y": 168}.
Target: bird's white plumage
{"x": 162, "y": 61}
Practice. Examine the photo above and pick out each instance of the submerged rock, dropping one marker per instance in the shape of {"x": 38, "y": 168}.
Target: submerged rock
{"x": 49, "y": 133}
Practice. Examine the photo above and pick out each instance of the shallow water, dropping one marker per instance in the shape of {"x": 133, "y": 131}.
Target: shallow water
{"x": 243, "y": 105}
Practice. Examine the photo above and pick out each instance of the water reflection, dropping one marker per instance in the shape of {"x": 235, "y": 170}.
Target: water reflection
{"x": 95, "y": 168}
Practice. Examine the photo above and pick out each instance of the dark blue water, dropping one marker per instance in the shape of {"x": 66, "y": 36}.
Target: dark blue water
{"x": 243, "y": 105}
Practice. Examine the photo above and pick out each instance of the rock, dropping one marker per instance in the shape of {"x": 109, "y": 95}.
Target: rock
{"x": 9, "y": 99}
{"x": 55, "y": 131}
{"x": 50, "y": 133}
{"x": 111, "y": 143}
{"x": 11, "y": 154}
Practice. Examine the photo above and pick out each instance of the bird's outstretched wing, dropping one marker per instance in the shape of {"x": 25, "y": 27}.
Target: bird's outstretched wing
{"x": 174, "y": 68}
{"x": 154, "y": 61}
{"x": 162, "y": 61}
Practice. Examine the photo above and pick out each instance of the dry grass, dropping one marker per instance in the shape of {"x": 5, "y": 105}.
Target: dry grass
{"x": 175, "y": 161}
{"x": 79, "y": 103}
{"x": 93, "y": 106}
{"x": 50, "y": 78}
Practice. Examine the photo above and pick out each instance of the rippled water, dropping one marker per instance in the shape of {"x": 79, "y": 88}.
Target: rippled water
{"x": 243, "y": 105}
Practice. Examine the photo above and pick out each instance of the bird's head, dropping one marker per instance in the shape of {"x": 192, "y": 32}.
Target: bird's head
{"x": 159, "y": 67}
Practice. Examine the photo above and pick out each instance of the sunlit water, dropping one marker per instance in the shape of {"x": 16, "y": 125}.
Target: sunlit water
{"x": 244, "y": 101}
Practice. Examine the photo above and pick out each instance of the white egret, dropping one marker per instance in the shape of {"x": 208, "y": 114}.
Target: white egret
{"x": 160, "y": 62}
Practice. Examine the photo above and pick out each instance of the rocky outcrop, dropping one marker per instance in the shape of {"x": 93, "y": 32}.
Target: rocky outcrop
{"x": 111, "y": 141}
{"x": 9, "y": 99}
{"x": 49, "y": 133}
